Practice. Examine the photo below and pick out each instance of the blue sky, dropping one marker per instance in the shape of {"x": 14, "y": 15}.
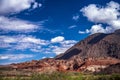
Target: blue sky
{"x": 37, "y": 29}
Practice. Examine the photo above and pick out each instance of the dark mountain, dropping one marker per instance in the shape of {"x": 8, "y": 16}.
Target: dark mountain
{"x": 97, "y": 45}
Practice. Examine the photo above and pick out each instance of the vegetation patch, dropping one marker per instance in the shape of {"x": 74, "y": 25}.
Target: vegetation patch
{"x": 62, "y": 76}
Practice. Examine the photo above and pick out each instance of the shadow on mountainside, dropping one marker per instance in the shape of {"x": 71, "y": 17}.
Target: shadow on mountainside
{"x": 97, "y": 38}
{"x": 70, "y": 54}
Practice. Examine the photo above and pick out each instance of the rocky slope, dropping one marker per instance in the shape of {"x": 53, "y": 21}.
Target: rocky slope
{"x": 95, "y": 53}
{"x": 98, "y": 45}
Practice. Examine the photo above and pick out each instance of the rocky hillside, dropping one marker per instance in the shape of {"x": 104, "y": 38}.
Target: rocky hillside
{"x": 98, "y": 45}
{"x": 97, "y": 52}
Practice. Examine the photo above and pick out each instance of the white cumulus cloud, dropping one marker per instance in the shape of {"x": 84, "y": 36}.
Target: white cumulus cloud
{"x": 57, "y": 39}
{"x": 33, "y": 44}
{"x": 14, "y": 56}
{"x": 95, "y": 29}
{"x": 22, "y": 42}
{"x": 102, "y": 14}
{"x": 33, "y": 40}
{"x": 108, "y": 15}
{"x": 15, "y": 6}
{"x": 63, "y": 46}
{"x": 17, "y": 25}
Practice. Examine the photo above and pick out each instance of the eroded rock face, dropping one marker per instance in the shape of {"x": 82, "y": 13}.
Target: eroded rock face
{"x": 52, "y": 65}
{"x": 95, "y": 53}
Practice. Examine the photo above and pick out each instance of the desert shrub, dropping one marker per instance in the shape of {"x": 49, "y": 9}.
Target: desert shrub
{"x": 56, "y": 76}
{"x": 115, "y": 77}
{"x": 107, "y": 77}
{"x": 45, "y": 76}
